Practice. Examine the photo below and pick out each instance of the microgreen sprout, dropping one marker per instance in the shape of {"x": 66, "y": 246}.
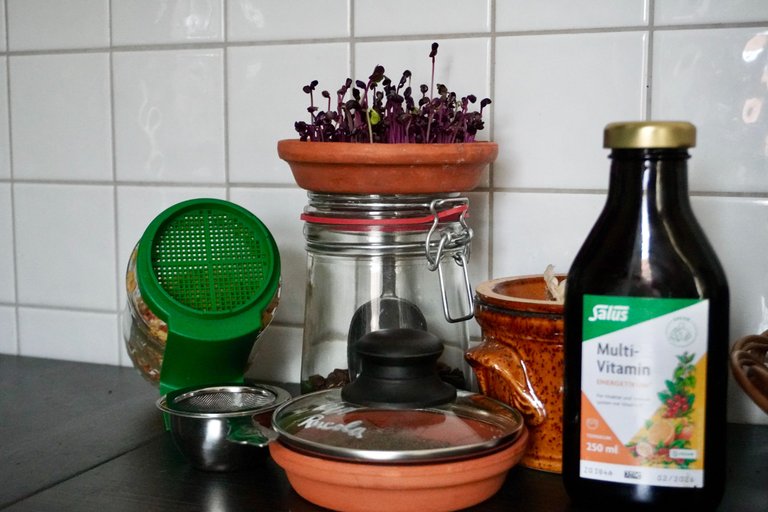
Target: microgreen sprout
{"x": 380, "y": 111}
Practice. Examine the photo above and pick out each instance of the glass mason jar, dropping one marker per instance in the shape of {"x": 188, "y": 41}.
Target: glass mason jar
{"x": 202, "y": 284}
{"x": 377, "y": 262}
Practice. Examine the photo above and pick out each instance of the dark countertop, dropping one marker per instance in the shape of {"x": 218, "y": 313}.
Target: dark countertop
{"x": 85, "y": 437}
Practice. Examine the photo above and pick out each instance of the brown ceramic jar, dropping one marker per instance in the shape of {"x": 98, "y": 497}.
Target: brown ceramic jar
{"x": 520, "y": 360}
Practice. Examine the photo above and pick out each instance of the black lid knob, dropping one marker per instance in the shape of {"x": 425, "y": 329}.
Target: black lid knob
{"x": 399, "y": 370}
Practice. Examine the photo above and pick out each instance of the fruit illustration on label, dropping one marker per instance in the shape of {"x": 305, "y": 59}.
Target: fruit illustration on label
{"x": 665, "y": 440}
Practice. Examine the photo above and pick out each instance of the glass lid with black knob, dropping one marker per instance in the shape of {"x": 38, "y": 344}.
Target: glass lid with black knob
{"x": 398, "y": 410}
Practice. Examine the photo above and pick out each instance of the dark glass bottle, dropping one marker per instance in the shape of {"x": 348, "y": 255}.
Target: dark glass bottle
{"x": 646, "y": 337}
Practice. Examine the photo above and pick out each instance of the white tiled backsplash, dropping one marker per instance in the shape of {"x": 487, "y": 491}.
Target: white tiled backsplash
{"x": 111, "y": 111}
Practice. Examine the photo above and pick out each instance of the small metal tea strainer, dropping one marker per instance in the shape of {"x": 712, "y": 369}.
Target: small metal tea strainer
{"x": 222, "y": 428}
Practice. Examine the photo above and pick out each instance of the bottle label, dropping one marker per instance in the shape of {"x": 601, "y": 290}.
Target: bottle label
{"x": 643, "y": 376}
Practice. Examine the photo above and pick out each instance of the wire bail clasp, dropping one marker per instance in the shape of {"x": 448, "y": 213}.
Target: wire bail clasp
{"x": 455, "y": 242}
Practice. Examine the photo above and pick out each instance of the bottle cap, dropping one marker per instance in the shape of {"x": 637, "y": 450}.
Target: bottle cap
{"x": 649, "y": 134}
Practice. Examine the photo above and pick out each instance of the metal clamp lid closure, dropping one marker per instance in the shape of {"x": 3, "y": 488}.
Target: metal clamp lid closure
{"x": 458, "y": 246}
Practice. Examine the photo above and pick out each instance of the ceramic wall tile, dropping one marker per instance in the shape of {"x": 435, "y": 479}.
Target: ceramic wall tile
{"x": 276, "y": 357}
{"x": 73, "y": 264}
{"x": 404, "y": 17}
{"x": 533, "y": 230}
{"x": 170, "y": 21}
{"x": 124, "y": 319}
{"x": 737, "y": 228}
{"x": 266, "y": 99}
{"x": 46, "y": 25}
{"x": 3, "y": 38}
{"x": 717, "y": 79}
{"x": 741, "y": 251}
{"x": 60, "y": 117}
{"x": 279, "y": 209}
{"x": 673, "y": 12}
{"x": 169, "y": 116}
{"x": 259, "y": 20}
{"x": 69, "y": 335}
{"x": 7, "y": 265}
{"x": 8, "y": 338}
{"x": 5, "y": 141}
{"x": 137, "y": 206}
{"x": 521, "y": 15}
{"x": 550, "y": 109}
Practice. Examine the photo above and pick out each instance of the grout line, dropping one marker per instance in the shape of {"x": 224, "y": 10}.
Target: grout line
{"x": 6, "y": 25}
{"x": 115, "y": 217}
{"x": 293, "y": 186}
{"x": 225, "y": 98}
{"x": 89, "y": 310}
{"x": 649, "y": 59}
{"x": 492, "y": 133}
{"x": 352, "y": 38}
{"x": 369, "y": 39}
{"x": 11, "y": 189}
{"x": 66, "y": 308}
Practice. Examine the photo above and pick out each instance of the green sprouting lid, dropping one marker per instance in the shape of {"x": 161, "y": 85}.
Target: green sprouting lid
{"x": 210, "y": 269}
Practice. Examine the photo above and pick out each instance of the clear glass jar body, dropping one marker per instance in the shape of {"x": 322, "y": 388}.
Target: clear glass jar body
{"x": 366, "y": 250}
{"x": 144, "y": 333}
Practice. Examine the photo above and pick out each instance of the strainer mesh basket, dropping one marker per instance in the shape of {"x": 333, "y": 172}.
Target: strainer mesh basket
{"x": 209, "y": 260}
{"x": 223, "y": 400}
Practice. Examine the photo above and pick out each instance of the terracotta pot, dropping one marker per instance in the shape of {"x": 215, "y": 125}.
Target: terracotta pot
{"x": 520, "y": 360}
{"x": 364, "y": 487}
{"x": 356, "y": 168}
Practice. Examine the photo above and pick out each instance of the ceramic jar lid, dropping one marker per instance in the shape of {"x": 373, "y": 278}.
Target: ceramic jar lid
{"x": 397, "y": 410}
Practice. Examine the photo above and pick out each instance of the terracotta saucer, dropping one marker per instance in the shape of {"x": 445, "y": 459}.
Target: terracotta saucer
{"x": 355, "y": 168}
{"x": 368, "y": 487}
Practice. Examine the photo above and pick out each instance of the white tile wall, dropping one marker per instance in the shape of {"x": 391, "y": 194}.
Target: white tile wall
{"x": 5, "y": 141}
{"x": 550, "y": 101}
{"x": 717, "y": 79}
{"x": 671, "y": 12}
{"x": 257, "y": 91}
{"x": 46, "y": 25}
{"x": 110, "y": 111}
{"x": 169, "y": 116}
{"x": 264, "y": 20}
{"x": 522, "y": 15}
{"x": 8, "y": 343}
{"x": 3, "y": 38}
{"x": 65, "y": 245}
{"x": 404, "y": 17}
{"x": 169, "y": 21}
{"x": 7, "y": 277}
{"x": 41, "y": 335}
{"x": 61, "y": 116}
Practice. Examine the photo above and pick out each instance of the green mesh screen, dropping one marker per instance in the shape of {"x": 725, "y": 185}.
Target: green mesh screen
{"x": 209, "y": 260}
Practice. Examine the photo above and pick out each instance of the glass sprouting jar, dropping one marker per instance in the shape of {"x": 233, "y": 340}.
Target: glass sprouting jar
{"x": 203, "y": 283}
{"x": 377, "y": 262}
